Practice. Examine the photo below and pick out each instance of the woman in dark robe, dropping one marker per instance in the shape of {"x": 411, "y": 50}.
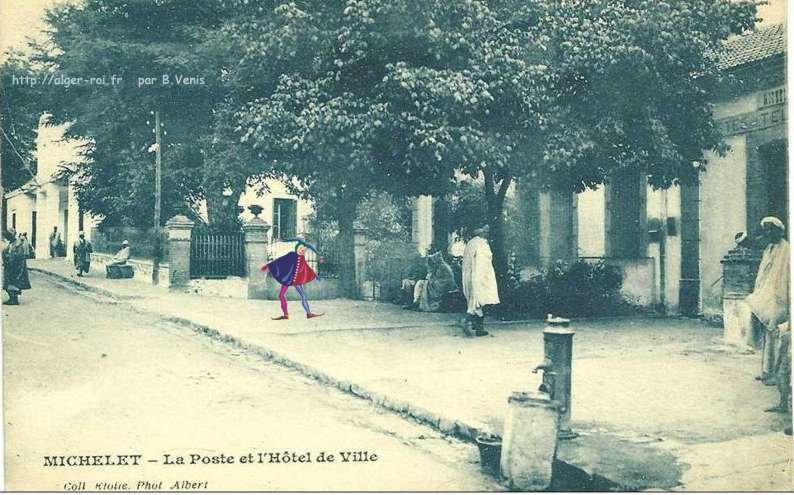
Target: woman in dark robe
{"x": 82, "y": 254}
{"x": 15, "y": 268}
{"x": 293, "y": 270}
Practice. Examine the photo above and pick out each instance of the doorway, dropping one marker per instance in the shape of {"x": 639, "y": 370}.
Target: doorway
{"x": 775, "y": 165}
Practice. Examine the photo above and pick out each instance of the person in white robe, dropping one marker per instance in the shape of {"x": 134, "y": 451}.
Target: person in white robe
{"x": 122, "y": 256}
{"x": 479, "y": 281}
{"x": 769, "y": 301}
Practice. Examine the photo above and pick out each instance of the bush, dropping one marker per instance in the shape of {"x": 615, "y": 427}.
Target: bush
{"x": 389, "y": 262}
{"x": 581, "y": 289}
{"x": 108, "y": 240}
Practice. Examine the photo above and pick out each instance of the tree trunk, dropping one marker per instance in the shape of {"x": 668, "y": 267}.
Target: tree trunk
{"x": 495, "y": 193}
{"x": 346, "y": 215}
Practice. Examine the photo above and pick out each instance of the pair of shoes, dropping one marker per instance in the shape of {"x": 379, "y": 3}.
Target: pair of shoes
{"x": 778, "y": 408}
{"x": 282, "y": 317}
{"x": 762, "y": 377}
{"x": 787, "y": 430}
{"x": 480, "y": 333}
{"x": 770, "y": 381}
{"x": 313, "y": 315}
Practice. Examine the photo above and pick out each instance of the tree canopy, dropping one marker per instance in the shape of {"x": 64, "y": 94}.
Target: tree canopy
{"x": 401, "y": 95}
{"x": 143, "y": 56}
{"x": 351, "y": 97}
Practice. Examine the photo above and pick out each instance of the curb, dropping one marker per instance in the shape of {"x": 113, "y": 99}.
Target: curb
{"x": 82, "y": 285}
{"x": 462, "y": 430}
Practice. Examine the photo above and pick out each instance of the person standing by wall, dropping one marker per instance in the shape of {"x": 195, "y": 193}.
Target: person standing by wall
{"x": 479, "y": 281}
{"x": 82, "y": 254}
{"x": 27, "y": 248}
{"x": 769, "y": 301}
{"x": 55, "y": 243}
{"x": 15, "y": 269}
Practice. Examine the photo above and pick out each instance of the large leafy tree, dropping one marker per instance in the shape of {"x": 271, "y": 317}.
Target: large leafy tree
{"x": 19, "y": 119}
{"x": 375, "y": 94}
{"x": 324, "y": 114}
{"x": 572, "y": 94}
{"x": 124, "y": 41}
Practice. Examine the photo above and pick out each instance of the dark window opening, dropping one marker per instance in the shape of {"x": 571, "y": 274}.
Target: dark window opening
{"x": 773, "y": 156}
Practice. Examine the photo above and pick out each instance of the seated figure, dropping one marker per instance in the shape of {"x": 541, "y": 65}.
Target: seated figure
{"x": 117, "y": 267}
{"x": 430, "y": 293}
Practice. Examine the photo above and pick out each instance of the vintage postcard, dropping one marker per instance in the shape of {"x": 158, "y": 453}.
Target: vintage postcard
{"x": 395, "y": 245}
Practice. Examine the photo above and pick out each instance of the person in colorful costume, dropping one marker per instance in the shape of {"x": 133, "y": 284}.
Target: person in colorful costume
{"x": 293, "y": 270}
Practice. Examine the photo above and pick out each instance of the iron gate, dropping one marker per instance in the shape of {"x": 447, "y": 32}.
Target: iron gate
{"x": 217, "y": 255}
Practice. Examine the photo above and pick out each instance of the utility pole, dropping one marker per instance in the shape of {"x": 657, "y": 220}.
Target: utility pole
{"x": 157, "y": 200}
{"x": 2, "y": 190}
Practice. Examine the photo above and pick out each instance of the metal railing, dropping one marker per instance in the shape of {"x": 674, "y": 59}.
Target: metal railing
{"x": 217, "y": 255}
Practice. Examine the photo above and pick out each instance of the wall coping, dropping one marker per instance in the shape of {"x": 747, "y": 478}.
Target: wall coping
{"x": 132, "y": 261}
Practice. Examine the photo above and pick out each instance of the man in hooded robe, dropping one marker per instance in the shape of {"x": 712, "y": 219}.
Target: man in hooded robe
{"x": 293, "y": 270}
{"x": 769, "y": 301}
{"x": 479, "y": 281}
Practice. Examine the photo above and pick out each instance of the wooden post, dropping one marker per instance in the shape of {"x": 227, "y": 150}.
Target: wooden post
{"x": 157, "y": 200}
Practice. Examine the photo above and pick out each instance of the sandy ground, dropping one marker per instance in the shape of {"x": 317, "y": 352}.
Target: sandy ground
{"x": 659, "y": 402}
{"x": 85, "y": 377}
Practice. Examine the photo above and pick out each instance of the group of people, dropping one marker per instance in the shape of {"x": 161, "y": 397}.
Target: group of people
{"x": 769, "y": 303}
{"x": 81, "y": 250}
{"x": 17, "y": 250}
{"x": 478, "y": 280}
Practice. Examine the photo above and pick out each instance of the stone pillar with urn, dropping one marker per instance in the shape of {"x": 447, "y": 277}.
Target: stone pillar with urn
{"x": 255, "y": 231}
{"x": 180, "y": 230}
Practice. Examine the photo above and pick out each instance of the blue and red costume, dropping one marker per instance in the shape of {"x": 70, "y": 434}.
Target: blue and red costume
{"x": 292, "y": 270}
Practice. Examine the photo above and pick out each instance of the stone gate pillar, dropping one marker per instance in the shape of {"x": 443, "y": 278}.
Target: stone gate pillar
{"x": 739, "y": 268}
{"x": 255, "y": 231}
{"x": 180, "y": 229}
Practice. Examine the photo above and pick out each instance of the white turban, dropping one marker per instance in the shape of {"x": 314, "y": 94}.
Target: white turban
{"x": 773, "y": 221}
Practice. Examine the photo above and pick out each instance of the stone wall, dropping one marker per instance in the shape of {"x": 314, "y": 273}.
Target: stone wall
{"x": 142, "y": 268}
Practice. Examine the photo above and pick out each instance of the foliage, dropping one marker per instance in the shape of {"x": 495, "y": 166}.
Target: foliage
{"x": 467, "y": 208}
{"x": 401, "y": 94}
{"x": 20, "y": 119}
{"x": 109, "y": 240}
{"x": 121, "y": 42}
{"x": 385, "y": 217}
{"x": 355, "y": 96}
{"x": 581, "y": 289}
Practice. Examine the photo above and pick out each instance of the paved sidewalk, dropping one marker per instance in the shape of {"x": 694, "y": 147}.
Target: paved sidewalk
{"x": 660, "y": 403}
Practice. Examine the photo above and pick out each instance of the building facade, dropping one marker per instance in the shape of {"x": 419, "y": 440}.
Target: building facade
{"x": 49, "y": 200}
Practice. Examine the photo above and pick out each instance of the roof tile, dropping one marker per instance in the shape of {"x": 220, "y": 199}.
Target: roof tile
{"x": 754, "y": 46}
